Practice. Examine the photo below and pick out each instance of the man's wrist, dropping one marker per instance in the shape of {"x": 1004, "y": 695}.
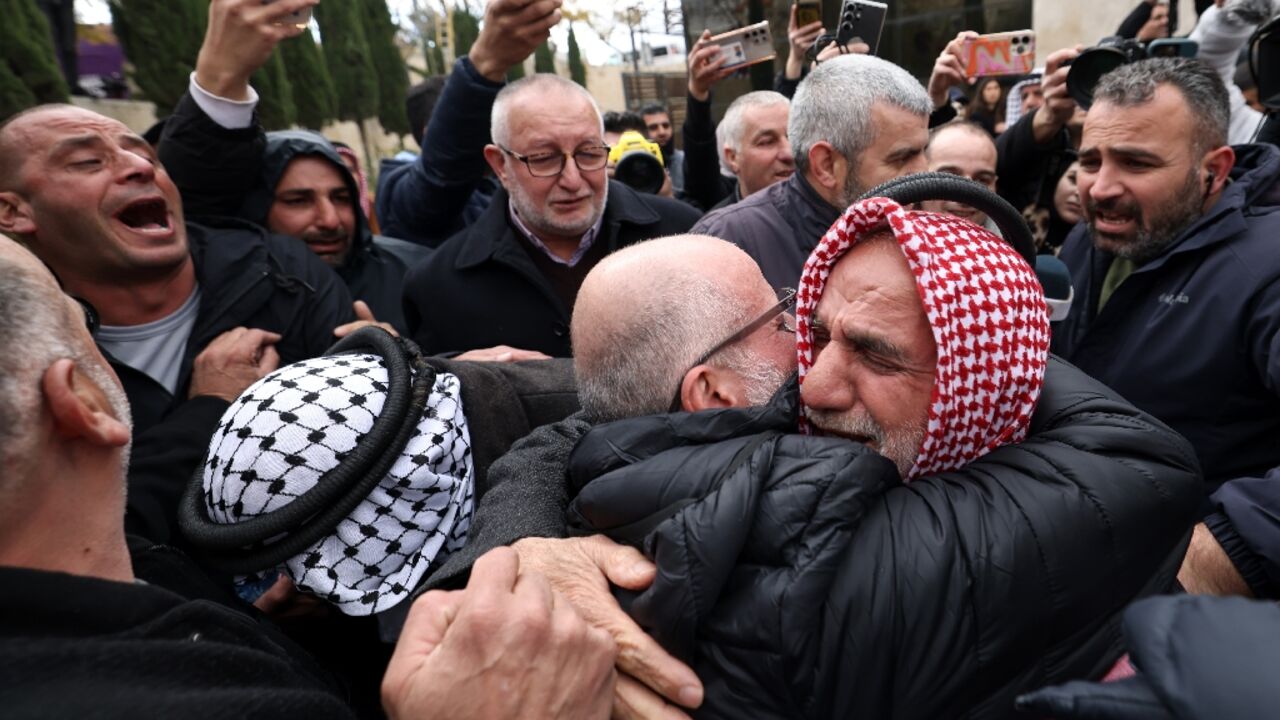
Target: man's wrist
{"x": 488, "y": 67}
{"x": 226, "y": 84}
{"x": 704, "y": 96}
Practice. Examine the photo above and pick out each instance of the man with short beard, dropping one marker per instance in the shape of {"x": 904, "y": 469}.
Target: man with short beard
{"x": 1178, "y": 281}
{"x": 855, "y": 122}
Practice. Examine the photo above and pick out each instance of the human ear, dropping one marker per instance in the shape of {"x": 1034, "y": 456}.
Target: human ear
{"x": 730, "y": 158}
{"x": 80, "y": 409}
{"x": 497, "y": 162}
{"x": 1216, "y": 167}
{"x": 706, "y": 388}
{"x": 827, "y": 167}
{"x": 16, "y": 215}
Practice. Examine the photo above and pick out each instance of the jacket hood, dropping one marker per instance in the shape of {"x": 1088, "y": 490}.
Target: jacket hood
{"x": 282, "y": 147}
{"x": 988, "y": 315}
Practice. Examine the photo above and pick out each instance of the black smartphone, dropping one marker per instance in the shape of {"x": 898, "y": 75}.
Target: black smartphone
{"x": 862, "y": 21}
{"x": 808, "y": 12}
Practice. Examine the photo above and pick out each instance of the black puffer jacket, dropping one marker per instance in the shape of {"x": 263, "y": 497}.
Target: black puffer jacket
{"x": 800, "y": 578}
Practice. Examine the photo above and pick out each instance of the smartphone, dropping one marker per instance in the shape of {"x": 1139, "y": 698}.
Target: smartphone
{"x": 1006, "y": 53}
{"x": 747, "y": 45}
{"x": 298, "y": 17}
{"x": 1173, "y": 47}
{"x": 808, "y": 12}
{"x": 861, "y": 21}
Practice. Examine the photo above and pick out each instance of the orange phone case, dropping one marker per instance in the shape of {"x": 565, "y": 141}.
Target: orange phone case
{"x": 808, "y": 12}
{"x": 1007, "y": 53}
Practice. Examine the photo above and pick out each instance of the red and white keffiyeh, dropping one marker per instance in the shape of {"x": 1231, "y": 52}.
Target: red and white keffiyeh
{"x": 989, "y": 318}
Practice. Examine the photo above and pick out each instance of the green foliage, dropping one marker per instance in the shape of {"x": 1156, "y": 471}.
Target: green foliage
{"x": 438, "y": 66}
{"x": 276, "y": 108}
{"x": 543, "y": 60}
{"x": 29, "y": 70}
{"x": 516, "y": 72}
{"x": 312, "y": 87}
{"x": 577, "y": 70}
{"x": 161, "y": 39}
{"x": 466, "y": 28}
{"x": 346, "y": 53}
{"x": 393, "y": 76}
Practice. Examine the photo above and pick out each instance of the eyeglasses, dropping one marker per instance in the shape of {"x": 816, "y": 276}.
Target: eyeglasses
{"x": 91, "y": 319}
{"x": 788, "y": 300}
{"x": 587, "y": 159}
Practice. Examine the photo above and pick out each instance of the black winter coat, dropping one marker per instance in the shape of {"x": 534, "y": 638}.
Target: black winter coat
{"x": 801, "y": 579}
{"x": 481, "y": 288}
{"x": 1199, "y": 658}
{"x": 74, "y": 646}
{"x": 247, "y": 278}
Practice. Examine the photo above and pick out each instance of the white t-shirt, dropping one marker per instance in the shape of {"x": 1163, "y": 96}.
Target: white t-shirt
{"x": 155, "y": 348}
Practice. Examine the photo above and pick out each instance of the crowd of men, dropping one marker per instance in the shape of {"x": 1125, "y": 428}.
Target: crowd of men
{"x": 762, "y": 443}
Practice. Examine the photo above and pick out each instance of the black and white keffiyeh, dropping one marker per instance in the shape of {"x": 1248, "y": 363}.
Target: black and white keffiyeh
{"x": 280, "y": 437}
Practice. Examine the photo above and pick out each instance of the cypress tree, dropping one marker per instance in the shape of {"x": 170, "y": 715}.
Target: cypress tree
{"x": 577, "y": 70}
{"x": 543, "y": 60}
{"x": 313, "y": 95}
{"x": 14, "y": 96}
{"x": 161, "y": 39}
{"x": 346, "y": 53}
{"x": 276, "y": 109}
{"x": 393, "y": 76}
{"x": 516, "y": 72}
{"x": 466, "y": 28}
{"x": 29, "y": 71}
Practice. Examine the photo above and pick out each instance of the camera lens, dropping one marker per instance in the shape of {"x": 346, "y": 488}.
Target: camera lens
{"x": 640, "y": 171}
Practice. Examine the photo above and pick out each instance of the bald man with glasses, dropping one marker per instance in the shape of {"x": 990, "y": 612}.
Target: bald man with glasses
{"x": 511, "y": 279}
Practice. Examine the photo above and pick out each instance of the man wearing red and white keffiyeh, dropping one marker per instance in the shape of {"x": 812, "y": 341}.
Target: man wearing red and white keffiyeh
{"x": 921, "y": 335}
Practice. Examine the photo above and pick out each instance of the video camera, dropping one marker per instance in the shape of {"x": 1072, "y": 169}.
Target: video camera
{"x": 1112, "y": 52}
{"x": 638, "y": 163}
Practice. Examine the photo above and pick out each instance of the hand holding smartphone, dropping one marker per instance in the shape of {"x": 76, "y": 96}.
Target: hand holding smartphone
{"x": 298, "y": 17}
{"x": 746, "y": 46}
{"x": 862, "y": 21}
{"x": 1007, "y": 53}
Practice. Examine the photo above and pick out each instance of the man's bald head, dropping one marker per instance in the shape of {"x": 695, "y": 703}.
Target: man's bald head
{"x": 14, "y": 144}
{"x": 646, "y": 313}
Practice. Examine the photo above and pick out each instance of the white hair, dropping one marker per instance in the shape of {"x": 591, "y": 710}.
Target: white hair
{"x": 499, "y": 118}
{"x": 729, "y": 131}
{"x": 834, "y": 102}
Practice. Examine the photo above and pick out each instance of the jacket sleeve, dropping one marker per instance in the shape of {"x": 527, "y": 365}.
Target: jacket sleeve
{"x": 162, "y": 464}
{"x": 527, "y": 495}
{"x": 1246, "y": 517}
{"x": 1011, "y": 572}
{"x": 423, "y": 201}
{"x": 214, "y": 168}
{"x": 327, "y": 303}
{"x": 1021, "y": 161}
{"x": 1135, "y": 20}
{"x": 702, "y": 182}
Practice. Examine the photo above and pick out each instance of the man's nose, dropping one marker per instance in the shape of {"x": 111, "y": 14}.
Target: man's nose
{"x": 135, "y": 167}
{"x": 1106, "y": 185}
{"x": 824, "y": 388}
{"x": 785, "y": 155}
{"x": 571, "y": 177}
{"x": 327, "y": 215}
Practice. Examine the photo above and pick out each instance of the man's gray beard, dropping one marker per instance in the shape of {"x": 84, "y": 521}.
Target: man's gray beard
{"x": 1154, "y": 238}
{"x": 853, "y": 189}
{"x": 760, "y": 379}
{"x": 537, "y": 223}
{"x": 902, "y": 447}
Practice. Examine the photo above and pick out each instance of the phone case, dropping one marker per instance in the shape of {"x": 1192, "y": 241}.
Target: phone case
{"x": 1008, "y": 53}
{"x": 808, "y": 13}
{"x": 746, "y": 46}
{"x": 863, "y": 20}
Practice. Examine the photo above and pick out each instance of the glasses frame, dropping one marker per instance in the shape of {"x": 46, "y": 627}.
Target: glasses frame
{"x": 787, "y": 301}
{"x": 564, "y": 159}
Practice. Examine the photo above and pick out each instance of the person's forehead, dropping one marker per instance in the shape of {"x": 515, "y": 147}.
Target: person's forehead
{"x": 311, "y": 172}
{"x": 874, "y": 275}
{"x": 1154, "y": 124}
{"x": 553, "y": 111}
{"x": 898, "y": 127}
{"x": 657, "y": 116}
{"x": 766, "y": 117}
{"x": 45, "y": 129}
{"x": 961, "y": 146}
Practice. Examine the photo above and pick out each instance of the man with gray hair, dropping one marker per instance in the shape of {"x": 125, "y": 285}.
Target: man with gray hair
{"x": 1178, "y": 283}
{"x": 511, "y": 278}
{"x": 753, "y": 143}
{"x": 856, "y": 121}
